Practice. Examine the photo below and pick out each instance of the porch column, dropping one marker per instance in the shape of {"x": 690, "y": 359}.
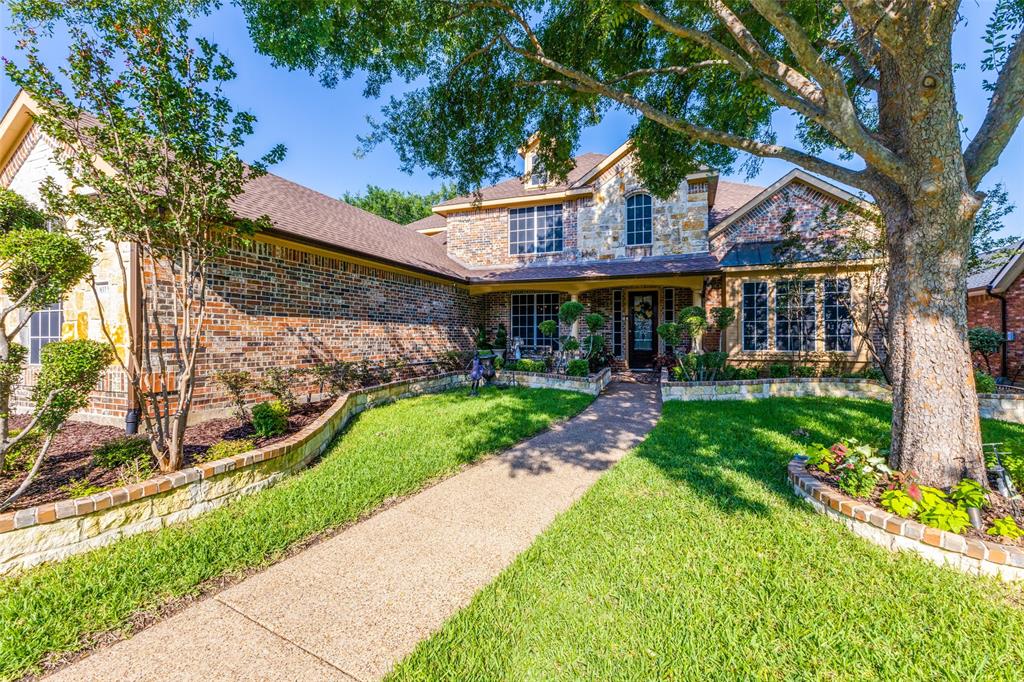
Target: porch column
{"x": 575, "y": 329}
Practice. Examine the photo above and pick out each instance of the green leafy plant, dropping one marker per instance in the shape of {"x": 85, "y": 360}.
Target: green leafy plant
{"x": 1006, "y": 527}
{"x": 944, "y": 515}
{"x": 548, "y": 328}
{"x": 857, "y": 483}
{"x": 779, "y": 370}
{"x": 898, "y": 502}
{"x": 805, "y": 371}
{"x": 723, "y": 317}
{"x": 969, "y": 493}
{"x": 482, "y": 341}
{"x": 227, "y": 448}
{"x": 571, "y": 345}
{"x": 237, "y": 383}
{"x": 135, "y": 471}
{"x": 984, "y": 383}
{"x": 121, "y": 451}
{"x": 80, "y": 487}
{"x": 501, "y": 337}
{"x": 20, "y": 456}
{"x": 984, "y": 342}
{"x": 528, "y": 365}
{"x": 499, "y": 363}
{"x": 578, "y": 368}
{"x": 336, "y": 376}
{"x": 822, "y": 458}
{"x": 279, "y": 382}
{"x": 860, "y": 466}
{"x": 270, "y": 419}
{"x": 569, "y": 312}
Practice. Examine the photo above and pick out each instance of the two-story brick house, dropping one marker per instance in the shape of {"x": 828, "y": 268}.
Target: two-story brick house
{"x": 332, "y": 282}
{"x": 601, "y": 238}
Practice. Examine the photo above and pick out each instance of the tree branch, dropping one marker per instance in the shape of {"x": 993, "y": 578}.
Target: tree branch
{"x": 676, "y": 70}
{"x": 1004, "y": 114}
{"x": 811, "y": 163}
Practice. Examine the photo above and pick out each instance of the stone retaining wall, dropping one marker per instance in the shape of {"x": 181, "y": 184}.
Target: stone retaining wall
{"x": 54, "y": 531}
{"x": 1008, "y": 408}
{"x": 981, "y": 557}
{"x": 767, "y": 388}
{"x": 591, "y": 385}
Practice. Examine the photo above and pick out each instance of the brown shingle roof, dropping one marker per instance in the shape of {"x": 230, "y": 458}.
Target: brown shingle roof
{"x": 433, "y": 221}
{"x": 729, "y": 197}
{"x": 688, "y": 264}
{"x": 298, "y": 211}
{"x": 514, "y": 187}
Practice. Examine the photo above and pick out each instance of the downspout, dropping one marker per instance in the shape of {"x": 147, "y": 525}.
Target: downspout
{"x": 131, "y": 419}
{"x": 1002, "y": 322}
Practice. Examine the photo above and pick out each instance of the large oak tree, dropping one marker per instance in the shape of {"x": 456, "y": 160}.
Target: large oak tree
{"x": 872, "y": 79}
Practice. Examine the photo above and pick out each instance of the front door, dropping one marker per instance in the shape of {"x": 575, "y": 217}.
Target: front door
{"x": 643, "y": 338}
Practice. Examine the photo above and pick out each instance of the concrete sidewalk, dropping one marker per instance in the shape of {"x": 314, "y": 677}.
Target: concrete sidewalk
{"x": 351, "y": 607}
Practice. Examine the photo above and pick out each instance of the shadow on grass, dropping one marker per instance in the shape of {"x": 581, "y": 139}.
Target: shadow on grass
{"x": 721, "y": 449}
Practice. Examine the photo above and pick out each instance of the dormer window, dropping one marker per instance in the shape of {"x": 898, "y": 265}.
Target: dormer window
{"x": 638, "y": 220}
{"x": 536, "y": 175}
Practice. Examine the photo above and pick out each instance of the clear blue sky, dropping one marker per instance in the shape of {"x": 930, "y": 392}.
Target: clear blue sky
{"x": 320, "y": 126}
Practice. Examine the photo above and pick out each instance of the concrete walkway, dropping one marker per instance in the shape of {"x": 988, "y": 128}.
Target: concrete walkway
{"x": 351, "y": 607}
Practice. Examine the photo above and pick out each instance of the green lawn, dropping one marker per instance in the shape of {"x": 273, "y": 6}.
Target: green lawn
{"x": 388, "y": 451}
{"x": 692, "y": 560}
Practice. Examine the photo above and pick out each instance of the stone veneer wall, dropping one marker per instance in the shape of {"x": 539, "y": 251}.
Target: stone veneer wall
{"x": 981, "y": 557}
{"x": 1007, "y": 408}
{"x": 771, "y": 388}
{"x": 591, "y": 385}
{"x": 55, "y": 531}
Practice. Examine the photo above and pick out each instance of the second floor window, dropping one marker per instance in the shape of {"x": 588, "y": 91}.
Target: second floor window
{"x": 638, "y": 220}
{"x": 44, "y": 328}
{"x": 537, "y": 229}
{"x": 795, "y": 315}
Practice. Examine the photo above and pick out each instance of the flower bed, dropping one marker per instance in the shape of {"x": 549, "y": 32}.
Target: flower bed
{"x": 71, "y": 526}
{"x": 70, "y": 463}
{"x": 969, "y": 554}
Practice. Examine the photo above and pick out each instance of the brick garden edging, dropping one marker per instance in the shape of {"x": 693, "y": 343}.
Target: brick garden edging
{"x": 752, "y": 389}
{"x": 980, "y": 557}
{"x": 591, "y": 385}
{"x": 57, "y": 530}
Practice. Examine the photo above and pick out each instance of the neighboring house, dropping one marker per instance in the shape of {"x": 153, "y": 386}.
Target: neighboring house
{"x": 333, "y": 282}
{"x": 995, "y": 299}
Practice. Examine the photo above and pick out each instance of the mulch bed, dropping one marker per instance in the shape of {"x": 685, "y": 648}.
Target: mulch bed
{"x": 70, "y": 456}
{"x": 999, "y": 507}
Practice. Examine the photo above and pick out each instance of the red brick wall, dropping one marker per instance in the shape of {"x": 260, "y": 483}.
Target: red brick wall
{"x": 275, "y": 306}
{"x": 765, "y": 222}
{"x": 984, "y": 311}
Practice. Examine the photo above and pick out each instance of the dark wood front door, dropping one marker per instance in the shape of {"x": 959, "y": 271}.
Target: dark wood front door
{"x": 643, "y": 335}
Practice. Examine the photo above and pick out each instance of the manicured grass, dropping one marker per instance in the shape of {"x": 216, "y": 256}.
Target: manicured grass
{"x": 388, "y": 451}
{"x": 692, "y": 560}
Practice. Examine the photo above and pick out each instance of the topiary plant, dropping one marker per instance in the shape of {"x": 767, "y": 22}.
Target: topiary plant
{"x": 70, "y": 370}
{"x": 984, "y": 342}
{"x": 270, "y": 419}
{"x": 723, "y": 317}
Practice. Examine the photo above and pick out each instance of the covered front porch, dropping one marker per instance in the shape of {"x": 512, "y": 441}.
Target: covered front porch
{"x": 632, "y": 308}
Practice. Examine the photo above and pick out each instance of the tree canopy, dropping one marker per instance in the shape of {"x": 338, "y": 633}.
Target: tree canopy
{"x": 396, "y": 205}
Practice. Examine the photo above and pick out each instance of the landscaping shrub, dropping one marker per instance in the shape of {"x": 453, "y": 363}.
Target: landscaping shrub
{"x": 453, "y": 361}
{"x": 237, "y": 384}
{"x": 80, "y": 487}
{"x": 334, "y": 376}
{"x": 984, "y": 342}
{"x": 135, "y": 472}
{"x": 744, "y": 373}
{"x": 21, "y": 455}
{"x": 227, "y": 448}
{"x": 278, "y": 382}
{"x": 270, "y": 419}
{"x": 779, "y": 370}
{"x": 499, "y": 363}
{"x": 527, "y": 365}
{"x": 121, "y": 451}
{"x": 984, "y": 383}
{"x": 578, "y": 368}
{"x": 872, "y": 373}
{"x": 805, "y": 371}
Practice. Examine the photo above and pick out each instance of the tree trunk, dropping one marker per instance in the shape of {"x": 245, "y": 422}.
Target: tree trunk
{"x": 935, "y": 427}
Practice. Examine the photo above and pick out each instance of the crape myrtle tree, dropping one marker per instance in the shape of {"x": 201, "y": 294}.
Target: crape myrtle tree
{"x": 150, "y": 142}
{"x": 870, "y": 83}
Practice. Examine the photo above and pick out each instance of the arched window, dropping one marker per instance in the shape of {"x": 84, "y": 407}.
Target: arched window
{"x": 638, "y": 220}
